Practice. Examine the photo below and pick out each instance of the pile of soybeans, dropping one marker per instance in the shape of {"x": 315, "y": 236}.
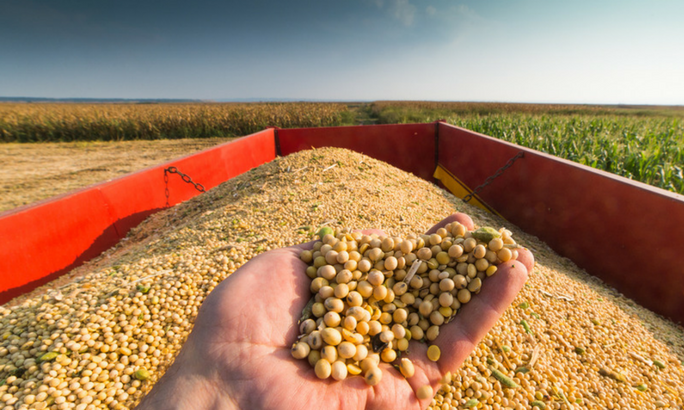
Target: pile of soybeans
{"x": 103, "y": 339}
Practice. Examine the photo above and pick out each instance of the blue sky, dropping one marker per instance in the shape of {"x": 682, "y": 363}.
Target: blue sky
{"x": 611, "y": 51}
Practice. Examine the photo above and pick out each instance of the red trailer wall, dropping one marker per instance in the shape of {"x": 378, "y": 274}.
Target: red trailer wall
{"x": 42, "y": 241}
{"x": 410, "y": 147}
{"x": 627, "y": 233}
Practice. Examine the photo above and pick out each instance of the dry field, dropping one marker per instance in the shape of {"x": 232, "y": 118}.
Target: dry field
{"x": 33, "y": 172}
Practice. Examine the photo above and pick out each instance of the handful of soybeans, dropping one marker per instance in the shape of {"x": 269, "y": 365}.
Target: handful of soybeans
{"x": 373, "y": 294}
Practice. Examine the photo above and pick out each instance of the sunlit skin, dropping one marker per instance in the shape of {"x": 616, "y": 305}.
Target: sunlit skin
{"x": 238, "y": 354}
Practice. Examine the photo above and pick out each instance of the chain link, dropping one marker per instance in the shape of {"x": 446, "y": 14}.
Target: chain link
{"x": 184, "y": 177}
{"x": 491, "y": 178}
{"x": 166, "y": 187}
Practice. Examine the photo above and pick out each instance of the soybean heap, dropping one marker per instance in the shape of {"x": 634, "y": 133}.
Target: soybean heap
{"x": 103, "y": 338}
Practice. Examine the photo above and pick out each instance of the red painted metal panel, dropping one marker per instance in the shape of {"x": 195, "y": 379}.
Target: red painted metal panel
{"x": 410, "y": 147}
{"x": 135, "y": 197}
{"x": 627, "y": 233}
{"x": 36, "y": 239}
{"x": 41, "y": 241}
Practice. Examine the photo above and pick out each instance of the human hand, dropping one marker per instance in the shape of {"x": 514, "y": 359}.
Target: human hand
{"x": 238, "y": 354}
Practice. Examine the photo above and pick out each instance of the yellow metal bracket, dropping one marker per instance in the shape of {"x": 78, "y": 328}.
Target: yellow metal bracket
{"x": 459, "y": 189}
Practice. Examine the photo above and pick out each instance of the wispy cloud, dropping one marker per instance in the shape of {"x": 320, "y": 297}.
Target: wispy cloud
{"x": 459, "y": 12}
{"x": 407, "y": 12}
{"x": 453, "y": 23}
{"x": 465, "y": 11}
{"x": 403, "y": 11}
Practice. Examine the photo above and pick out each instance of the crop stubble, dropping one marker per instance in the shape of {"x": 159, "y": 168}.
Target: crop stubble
{"x": 33, "y": 172}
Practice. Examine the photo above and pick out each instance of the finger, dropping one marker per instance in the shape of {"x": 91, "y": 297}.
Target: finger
{"x": 392, "y": 390}
{"x": 527, "y": 259}
{"x": 455, "y": 217}
{"x": 459, "y": 337}
{"x": 378, "y": 232}
{"x": 307, "y": 246}
{"x": 426, "y": 372}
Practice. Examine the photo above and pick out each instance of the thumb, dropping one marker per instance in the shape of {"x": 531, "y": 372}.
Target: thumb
{"x": 462, "y": 218}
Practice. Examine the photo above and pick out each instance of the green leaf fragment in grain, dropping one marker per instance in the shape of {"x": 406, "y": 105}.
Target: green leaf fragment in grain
{"x": 49, "y": 356}
{"x": 579, "y": 350}
{"x": 659, "y": 364}
{"x": 522, "y": 370}
{"x": 18, "y": 372}
{"x": 524, "y": 305}
{"x": 540, "y": 404}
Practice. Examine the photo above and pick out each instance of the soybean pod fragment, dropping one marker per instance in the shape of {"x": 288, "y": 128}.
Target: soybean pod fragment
{"x": 503, "y": 379}
{"x": 306, "y": 312}
{"x": 49, "y": 356}
{"x": 142, "y": 374}
{"x": 472, "y": 403}
{"x": 526, "y": 325}
{"x": 324, "y": 231}
{"x": 486, "y": 234}
{"x": 618, "y": 377}
{"x": 659, "y": 364}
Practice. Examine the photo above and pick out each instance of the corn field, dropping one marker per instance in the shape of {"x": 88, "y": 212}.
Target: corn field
{"x": 638, "y": 142}
{"x": 118, "y": 122}
{"x": 641, "y": 143}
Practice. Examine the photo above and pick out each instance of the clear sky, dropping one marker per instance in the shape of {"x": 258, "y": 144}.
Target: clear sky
{"x": 579, "y": 51}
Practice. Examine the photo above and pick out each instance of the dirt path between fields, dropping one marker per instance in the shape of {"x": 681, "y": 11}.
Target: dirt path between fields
{"x": 37, "y": 171}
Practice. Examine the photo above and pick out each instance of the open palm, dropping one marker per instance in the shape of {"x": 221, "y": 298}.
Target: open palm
{"x": 238, "y": 354}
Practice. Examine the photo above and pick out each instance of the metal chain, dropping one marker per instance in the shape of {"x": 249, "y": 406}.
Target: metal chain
{"x": 491, "y": 178}
{"x": 166, "y": 187}
{"x": 185, "y": 178}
